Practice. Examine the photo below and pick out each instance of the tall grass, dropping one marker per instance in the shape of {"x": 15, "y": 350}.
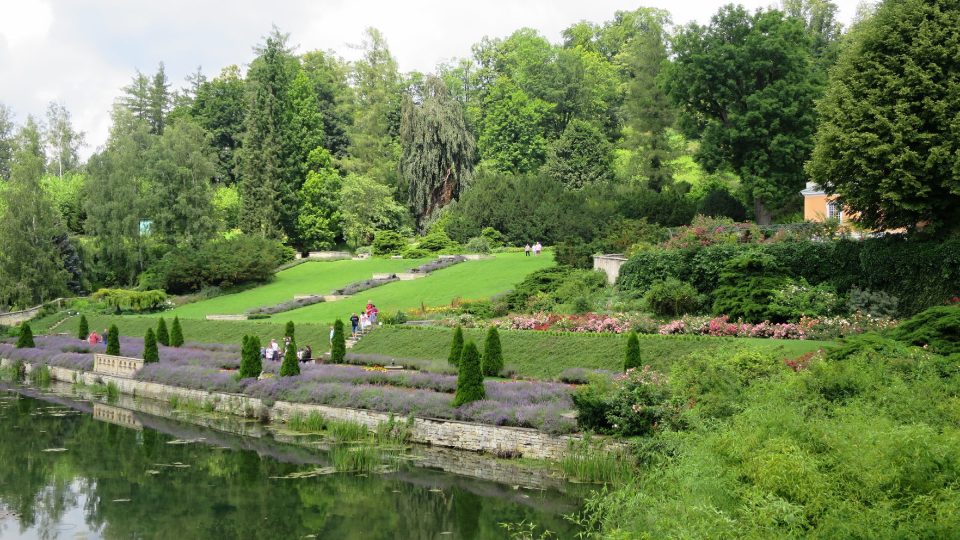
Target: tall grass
{"x": 347, "y": 431}
{"x": 393, "y": 431}
{"x": 40, "y": 376}
{"x": 356, "y": 458}
{"x": 590, "y": 463}
{"x": 311, "y": 423}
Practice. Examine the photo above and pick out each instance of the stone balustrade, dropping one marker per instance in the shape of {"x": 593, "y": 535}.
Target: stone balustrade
{"x": 118, "y": 366}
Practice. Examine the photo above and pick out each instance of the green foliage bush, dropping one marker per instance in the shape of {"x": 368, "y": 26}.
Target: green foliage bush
{"x": 492, "y": 362}
{"x": 937, "y": 329}
{"x": 251, "y": 363}
{"x": 415, "y": 253}
{"x": 478, "y": 244}
{"x": 150, "y": 352}
{"x": 640, "y": 403}
{"x": 137, "y": 301}
{"x": 163, "y": 335}
{"x": 672, "y": 297}
{"x": 338, "y": 349}
{"x": 555, "y": 285}
{"x": 289, "y": 330}
{"x": 456, "y": 347}
{"x": 176, "y": 333}
{"x": 291, "y": 366}
{"x": 592, "y": 402}
{"x": 873, "y": 303}
{"x": 631, "y": 358}
{"x": 469, "y": 378}
{"x": 113, "y": 340}
{"x": 25, "y": 338}
{"x": 712, "y": 383}
{"x": 747, "y": 287}
{"x": 83, "y": 328}
{"x": 436, "y": 241}
{"x": 798, "y": 298}
{"x": 388, "y": 243}
{"x": 494, "y": 237}
{"x": 225, "y": 262}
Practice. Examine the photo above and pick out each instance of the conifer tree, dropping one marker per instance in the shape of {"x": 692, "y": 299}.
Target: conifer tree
{"x": 83, "y": 330}
{"x": 338, "y": 349}
{"x": 25, "y": 339}
{"x": 163, "y": 336}
{"x": 113, "y": 340}
{"x": 289, "y": 331}
{"x": 250, "y": 362}
{"x": 492, "y": 354}
{"x": 632, "y": 358}
{"x": 176, "y": 333}
{"x": 291, "y": 366}
{"x": 469, "y": 379}
{"x": 456, "y": 348}
{"x": 150, "y": 352}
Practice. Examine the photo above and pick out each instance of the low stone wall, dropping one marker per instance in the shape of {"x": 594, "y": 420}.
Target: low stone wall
{"x": 525, "y": 442}
{"x": 226, "y": 317}
{"x": 609, "y": 265}
{"x": 120, "y": 366}
{"x": 13, "y": 318}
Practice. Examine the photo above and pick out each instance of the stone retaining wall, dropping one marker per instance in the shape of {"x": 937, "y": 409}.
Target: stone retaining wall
{"x": 13, "y": 318}
{"x": 121, "y": 366}
{"x": 525, "y": 442}
{"x": 609, "y": 265}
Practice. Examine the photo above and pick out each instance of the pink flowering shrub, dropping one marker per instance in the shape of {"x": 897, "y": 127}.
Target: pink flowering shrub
{"x": 640, "y": 403}
{"x": 722, "y": 327}
{"x": 585, "y": 323}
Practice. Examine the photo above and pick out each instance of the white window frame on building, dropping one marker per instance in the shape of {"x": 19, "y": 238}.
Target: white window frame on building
{"x": 835, "y": 211}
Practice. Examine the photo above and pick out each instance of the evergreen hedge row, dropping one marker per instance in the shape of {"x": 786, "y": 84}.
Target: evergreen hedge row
{"x": 919, "y": 273}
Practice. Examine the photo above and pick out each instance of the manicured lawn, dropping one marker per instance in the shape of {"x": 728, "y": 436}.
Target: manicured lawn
{"x": 206, "y": 331}
{"x": 316, "y": 277}
{"x": 546, "y": 355}
{"x": 468, "y": 280}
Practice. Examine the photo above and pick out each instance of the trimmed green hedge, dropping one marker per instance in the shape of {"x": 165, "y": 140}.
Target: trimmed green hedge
{"x": 919, "y": 273}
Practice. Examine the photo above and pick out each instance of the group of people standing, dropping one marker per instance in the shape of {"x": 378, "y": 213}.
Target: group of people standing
{"x": 366, "y": 319}
{"x": 536, "y": 249}
{"x": 95, "y": 338}
{"x": 274, "y": 353}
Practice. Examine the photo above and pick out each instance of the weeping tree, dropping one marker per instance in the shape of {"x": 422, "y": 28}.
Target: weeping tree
{"x": 438, "y": 149}
{"x": 163, "y": 336}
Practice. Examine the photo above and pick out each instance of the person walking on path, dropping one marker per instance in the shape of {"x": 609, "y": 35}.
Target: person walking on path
{"x": 354, "y": 323}
{"x": 526, "y": 250}
{"x": 537, "y": 248}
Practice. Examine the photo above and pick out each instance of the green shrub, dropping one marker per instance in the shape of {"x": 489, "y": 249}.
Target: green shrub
{"x": 150, "y": 352}
{"x": 456, "y": 347}
{"x": 338, "y": 349}
{"x": 388, "y": 243}
{"x": 797, "y": 299}
{"x": 415, "y": 253}
{"x": 289, "y": 330}
{"x": 113, "y": 340}
{"x": 747, "y": 288}
{"x": 250, "y": 362}
{"x": 224, "y": 262}
{"x": 469, "y": 378}
{"x": 291, "y": 366}
{"x": 937, "y": 329}
{"x": 640, "y": 403}
{"x": 492, "y": 363}
{"x": 873, "y": 303}
{"x": 83, "y": 329}
{"x": 478, "y": 244}
{"x": 592, "y": 402}
{"x": 176, "y": 333}
{"x": 25, "y": 338}
{"x": 632, "y": 357}
{"x": 494, "y": 237}
{"x": 436, "y": 241}
{"x": 713, "y": 382}
{"x": 136, "y": 301}
{"x": 163, "y": 336}
{"x": 672, "y": 297}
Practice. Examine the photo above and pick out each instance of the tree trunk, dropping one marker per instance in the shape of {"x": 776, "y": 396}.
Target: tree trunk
{"x": 760, "y": 213}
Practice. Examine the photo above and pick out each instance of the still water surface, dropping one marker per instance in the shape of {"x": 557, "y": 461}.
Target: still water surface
{"x": 65, "y": 474}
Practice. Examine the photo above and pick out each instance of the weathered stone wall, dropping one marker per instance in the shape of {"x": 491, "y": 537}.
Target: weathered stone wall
{"x": 121, "y": 366}
{"x": 13, "y": 318}
{"x": 525, "y": 442}
{"x": 609, "y": 265}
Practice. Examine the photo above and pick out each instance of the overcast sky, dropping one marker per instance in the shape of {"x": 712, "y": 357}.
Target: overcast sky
{"x": 81, "y": 52}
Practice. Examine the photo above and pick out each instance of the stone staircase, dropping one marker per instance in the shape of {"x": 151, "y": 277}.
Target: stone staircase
{"x": 352, "y": 340}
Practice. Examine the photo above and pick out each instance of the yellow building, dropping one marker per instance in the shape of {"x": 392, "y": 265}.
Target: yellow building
{"x": 819, "y": 206}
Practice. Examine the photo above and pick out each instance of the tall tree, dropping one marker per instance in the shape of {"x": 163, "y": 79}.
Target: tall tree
{"x": 328, "y": 75}
{"x": 136, "y": 96}
{"x": 819, "y": 17}
{"x": 31, "y": 264}
{"x": 181, "y": 165}
{"x": 513, "y": 137}
{"x": 365, "y": 207}
{"x": 746, "y": 88}
{"x": 160, "y": 101}
{"x": 889, "y": 140}
{"x": 7, "y": 141}
{"x": 219, "y": 107}
{"x": 116, "y": 200}
{"x": 318, "y": 222}
{"x": 438, "y": 149}
{"x": 374, "y": 148}
{"x": 62, "y": 141}
{"x": 306, "y": 122}
{"x": 268, "y": 178}
{"x": 580, "y": 157}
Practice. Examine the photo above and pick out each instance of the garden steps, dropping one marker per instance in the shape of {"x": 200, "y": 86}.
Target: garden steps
{"x": 60, "y": 322}
{"x": 352, "y": 340}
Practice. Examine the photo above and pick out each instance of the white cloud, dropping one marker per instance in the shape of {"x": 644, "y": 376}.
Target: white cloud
{"x": 82, "y": 53}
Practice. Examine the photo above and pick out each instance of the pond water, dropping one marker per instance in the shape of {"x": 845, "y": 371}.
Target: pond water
{"x": 66, "y": 474}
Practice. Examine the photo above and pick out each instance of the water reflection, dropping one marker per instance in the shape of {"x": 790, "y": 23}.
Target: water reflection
{"x": 64, "y": 474}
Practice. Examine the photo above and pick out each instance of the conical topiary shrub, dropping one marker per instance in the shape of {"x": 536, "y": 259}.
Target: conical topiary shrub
{"x": 250, "y": 363}
{"x": 338, "y": 349}
{"x": 492, "y": 363}
{"x": 113, "y": 340}
{"x": 470, "y": 379}
{"x": 290, "y": 365}
{"x": 25, "y": 339}
{"x": 83, "y": 330}
{"x": 456, "y": 348}
{"x": 163, "y": 336}
{"x": 632, "y": 358}
{"x": 176, "y": 333}
{"x": 150, "y": 352}
{"x": 289, "y": 331}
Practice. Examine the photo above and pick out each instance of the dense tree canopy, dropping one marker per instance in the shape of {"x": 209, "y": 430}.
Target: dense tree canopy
{"x": 889, "y": 141}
